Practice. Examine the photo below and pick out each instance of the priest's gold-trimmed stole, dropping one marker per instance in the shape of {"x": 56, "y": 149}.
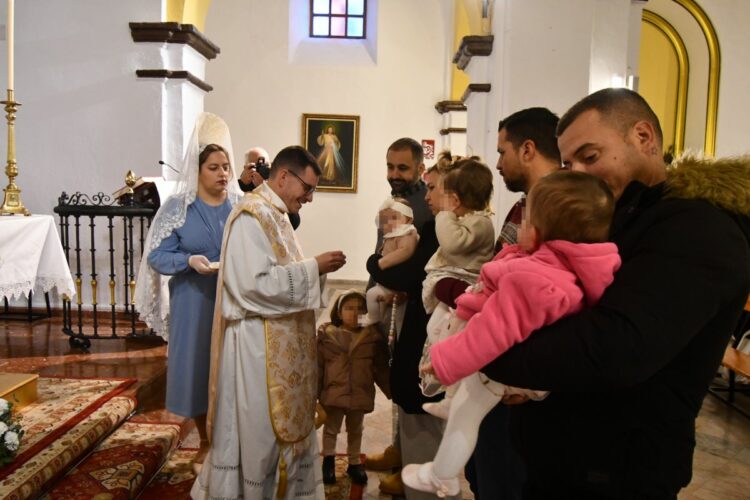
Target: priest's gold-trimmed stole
{"x": 291, "y": 357}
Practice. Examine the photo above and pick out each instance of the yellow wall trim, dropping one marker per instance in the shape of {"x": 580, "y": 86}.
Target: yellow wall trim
{"x": 188, "y": 12}
{"x": 174, "y": 12}
{"x": 714, "y": 70}
{"x": 683, "y": 69}
{"x": 461, "y": 28}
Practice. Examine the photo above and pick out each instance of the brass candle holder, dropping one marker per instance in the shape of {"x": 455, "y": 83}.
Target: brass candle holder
{"x": 12, "y": 203}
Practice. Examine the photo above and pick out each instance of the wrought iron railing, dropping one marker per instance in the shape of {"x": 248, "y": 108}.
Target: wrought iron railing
{"x": 126, "y": 225}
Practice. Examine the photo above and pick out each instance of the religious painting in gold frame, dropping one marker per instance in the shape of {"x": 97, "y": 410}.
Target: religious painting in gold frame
{"x": 334, "y": 141}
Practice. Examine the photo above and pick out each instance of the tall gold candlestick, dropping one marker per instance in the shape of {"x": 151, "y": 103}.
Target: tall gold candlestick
{"x": 9, "y": 37}
{"x": 12, "y": 203}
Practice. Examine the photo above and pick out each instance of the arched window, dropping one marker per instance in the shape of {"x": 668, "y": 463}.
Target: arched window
{"x": 338, "y": 18}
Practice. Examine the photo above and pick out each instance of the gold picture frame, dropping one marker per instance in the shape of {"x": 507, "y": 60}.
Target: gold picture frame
{"x": 334, "y": 141}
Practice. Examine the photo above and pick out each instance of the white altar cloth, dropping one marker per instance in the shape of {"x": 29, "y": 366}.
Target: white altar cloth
{"x": 32, "y": 257}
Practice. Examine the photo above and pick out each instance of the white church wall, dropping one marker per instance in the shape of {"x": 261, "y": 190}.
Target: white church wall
{"x": 551, "y": 54}
{"x": 75, "y": 77}
{"x": 730, "y": 18}
{"x": 262, "y": 88}
{"x": 85, "y": 119}
{"x": 609, "y": 43}
{"x": 547, "y": 53}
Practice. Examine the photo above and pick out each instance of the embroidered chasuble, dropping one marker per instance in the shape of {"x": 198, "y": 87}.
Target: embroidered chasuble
{"x": 263, "y": 384}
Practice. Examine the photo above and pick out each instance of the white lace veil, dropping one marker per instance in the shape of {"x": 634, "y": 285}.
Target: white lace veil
{"x": 151, "y": 291}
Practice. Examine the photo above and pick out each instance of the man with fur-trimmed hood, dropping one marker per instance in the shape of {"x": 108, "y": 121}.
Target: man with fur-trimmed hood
{"x": 628, "y": 376}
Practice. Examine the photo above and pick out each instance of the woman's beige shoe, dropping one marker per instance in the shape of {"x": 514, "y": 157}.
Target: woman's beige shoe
{"x": 392, "y": 485}
{"x": 389, "y": 459}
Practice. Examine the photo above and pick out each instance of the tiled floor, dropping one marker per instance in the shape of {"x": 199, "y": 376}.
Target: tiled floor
{"x": 41, "y": 347}
{"x": 721, "y": 464}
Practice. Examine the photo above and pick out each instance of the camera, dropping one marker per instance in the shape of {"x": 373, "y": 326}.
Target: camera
{"x": 262, "y": 168}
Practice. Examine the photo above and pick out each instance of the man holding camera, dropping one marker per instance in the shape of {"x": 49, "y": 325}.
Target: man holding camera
{"x": 256, "y": 169}
{"x": 255, "y": 172}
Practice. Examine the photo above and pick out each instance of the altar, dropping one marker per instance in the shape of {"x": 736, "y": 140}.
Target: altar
{"x": 32, "y": 257}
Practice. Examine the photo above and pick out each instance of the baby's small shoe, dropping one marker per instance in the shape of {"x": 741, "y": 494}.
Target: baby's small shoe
{"x": 441, "y": 409}
{"x": 357, "y": 473}
{"x": 420, "y": 477}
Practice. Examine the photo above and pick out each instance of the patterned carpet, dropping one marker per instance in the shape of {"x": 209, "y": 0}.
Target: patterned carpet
{"x": 174, "y": 479}
{"x": 122, "y": 465}
{"x": 68, "y": 419}
{"x": 344, "y": 489}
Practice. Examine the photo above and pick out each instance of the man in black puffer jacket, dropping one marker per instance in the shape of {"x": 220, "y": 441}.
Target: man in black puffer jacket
{"x": 628, "y": 376}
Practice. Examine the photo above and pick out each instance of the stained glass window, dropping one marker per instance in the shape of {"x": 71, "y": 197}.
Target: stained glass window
{"x": 338, "y": 18}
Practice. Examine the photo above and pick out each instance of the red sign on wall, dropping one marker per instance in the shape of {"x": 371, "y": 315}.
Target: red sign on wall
{"x": 428, "y": 145}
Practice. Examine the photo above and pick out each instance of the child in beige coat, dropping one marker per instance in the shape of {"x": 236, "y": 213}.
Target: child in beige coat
{"x": 351, "y": 360}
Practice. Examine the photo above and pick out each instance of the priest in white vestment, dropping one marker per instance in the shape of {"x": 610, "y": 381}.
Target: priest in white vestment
{"x": 263, "y": 385}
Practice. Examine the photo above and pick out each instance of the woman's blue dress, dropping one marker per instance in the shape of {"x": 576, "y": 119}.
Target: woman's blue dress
{"x": 191, "y": 304}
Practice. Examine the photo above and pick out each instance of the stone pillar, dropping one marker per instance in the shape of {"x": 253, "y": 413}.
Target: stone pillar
{"x": 177, "y": 64}
{"x": 453, "y": 133}
{"x": 473, "y": 58}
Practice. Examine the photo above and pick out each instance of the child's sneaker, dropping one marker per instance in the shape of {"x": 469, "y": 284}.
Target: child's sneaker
{"x": 329, "y": 469}
{"x": 357, "y": 473}
{"x": 441, "y": 409}
{"x": 422, "y": 478}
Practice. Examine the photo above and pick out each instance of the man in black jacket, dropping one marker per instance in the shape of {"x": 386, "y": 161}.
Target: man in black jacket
{"x": 418, "y": 434}
{"x": 628, "y": 376}
{"x": 404, "y": 169}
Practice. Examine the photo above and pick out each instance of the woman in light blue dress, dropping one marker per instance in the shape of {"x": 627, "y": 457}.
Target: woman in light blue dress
{"x": 185, "y": 255}
{"x": 184, "y": 240}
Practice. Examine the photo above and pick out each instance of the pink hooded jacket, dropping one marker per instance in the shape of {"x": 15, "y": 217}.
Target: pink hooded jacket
{"x": 520, "y": 293}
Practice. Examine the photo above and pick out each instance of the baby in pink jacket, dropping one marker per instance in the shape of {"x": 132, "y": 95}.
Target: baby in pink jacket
{"x": 560, "y": 266}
